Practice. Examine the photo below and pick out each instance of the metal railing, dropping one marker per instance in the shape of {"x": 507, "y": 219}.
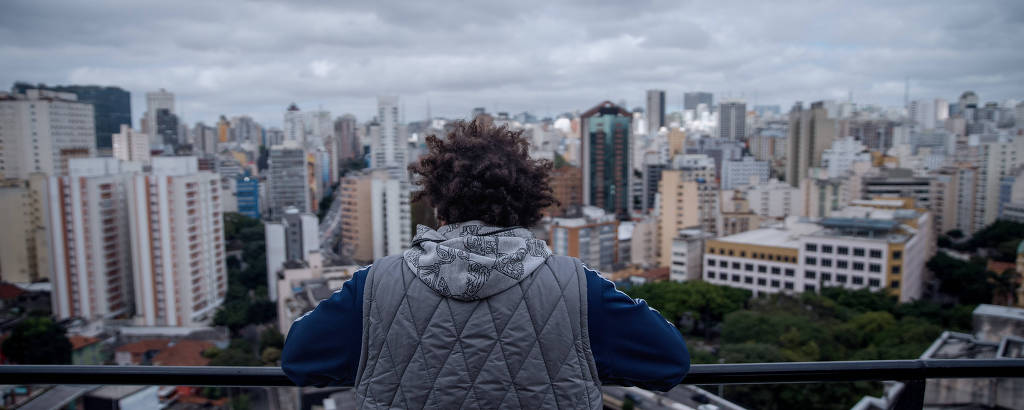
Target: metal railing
{"x": 912, "y": 372}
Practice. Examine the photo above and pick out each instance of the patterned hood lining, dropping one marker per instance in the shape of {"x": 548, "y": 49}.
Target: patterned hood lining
{"x": 472, "y": 260}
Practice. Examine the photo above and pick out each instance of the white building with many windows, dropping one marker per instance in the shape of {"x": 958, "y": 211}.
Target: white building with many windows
{"x": 40, "y": 131}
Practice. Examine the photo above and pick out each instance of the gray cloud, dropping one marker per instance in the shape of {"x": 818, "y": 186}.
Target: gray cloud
{"x": 239, "y": 57}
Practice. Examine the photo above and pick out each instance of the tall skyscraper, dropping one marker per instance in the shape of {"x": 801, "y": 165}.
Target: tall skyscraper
{"x": 167, "y": 129}
{"x": 155, "y": 101}
{"x": 287, "y": 182}
{"x": 112, "y": 107}
{"x": 732, "y": 120}
{"x": 294, "y": 124}
{"x": 41, "y": 130}
{"x": 349, "y": 145}
{"x": 375, "y": 214}
{"x": 811, "y": 132}
{"x": 388, "y": 144}
{"x": 605, "y": 133}
{"x": 247, "y": 192}
{"x": 177, "y": 230}
{"x": 692, "y": 99}
{"x": 246, "y": 130}
{"x": 24, "y": 248}
{"x": 90, "y": 256}
{"x": 655, "y": 111}
{"x": 131, "y": 145}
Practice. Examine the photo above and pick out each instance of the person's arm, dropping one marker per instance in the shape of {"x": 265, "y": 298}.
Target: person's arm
{"x": 323, "y": 346}
{"x": 633, "y": 344}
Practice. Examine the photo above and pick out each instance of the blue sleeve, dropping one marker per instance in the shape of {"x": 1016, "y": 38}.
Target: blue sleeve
{"x": 323, "y": 346}
{"x": 633, "y": 344}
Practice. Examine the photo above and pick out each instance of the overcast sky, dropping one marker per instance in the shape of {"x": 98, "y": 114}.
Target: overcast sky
{"x": 544, "y": 56}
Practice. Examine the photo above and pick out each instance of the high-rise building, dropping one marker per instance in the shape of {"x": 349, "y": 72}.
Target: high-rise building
{"x": 655, "y": 111}
{"x": 732, "y": 120}
{"x": 810, "y": 133}
{"x": 745, "y": 171}
{"x": 41, "y": 131}
{"x": 899, "y": 183}
{"x": 204, "y": 139}
{"x": 246, "y": 130}
{"x": 689, "y": 200}
{"x": 593, "y": 238}
{"x": 349, "y": 145}
{"x": 224, "y": 131}
{"x": 294, "y": 125}
{"x": 567, "y": 188}
{"x": 247, "y": 193}
{"x": 177, "y": 231}
{"x": 90, "y": 252}
{"x": 388, "y": 143}
{"x": 156, "y": 101}
{"x": 840, "y": 157}
{"x": 274, "y": 136}
{"x": 131, "y": 145}
{"x": 24, "y": 249}
{"x": 775, "y": 199}
{"x": 375, "y": 214}
{"x": 954, "y": 191}
{"x": 292, "y": 238}
{"x": 287, "y": 182}
{"x": 692, "y": 99}
{"x": 607, "y": 168}
{"x": 997, "y": 157}
{"x": 112, "y": 107}
{"x": 167, "y": 129}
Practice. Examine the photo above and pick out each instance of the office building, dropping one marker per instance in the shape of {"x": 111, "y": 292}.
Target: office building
{"x": 156, "y": 101}
{"x": 204, "y": 139}
{"x": 90, "y": 256}
{"x": 593, "y": 238}
{"x": 348, "y": 143}
{"x": 177, "y": 243}
{"x": 111, "y": 107}
{"x": 24, "y": 248}
{"x": 288, "y": 180}
{"x": 875, "y": 245}
{"x": 997, "y": 157}
{"x": 607, "y": 168}
{"x": 655, "y": 111}
{"x": 687, "y": 202}
{"x": 811, "y": 132}
{"x": 291, "y": 238}
{"x": 388, "y": 142}
{"x": 375, "y": 214}
{"x": 41, "y": 131}
{"x": 839, "y": 158}
{"x": 898, "y": 183}
{"x": 294, "y": 125}
{"x": 274, "y": 136}
{"x": 692, "y": 99}
{"x": 732, "y": 120}
{"x": 247, "y": 193}
{"x": 746, "y": 171}
{"x": 130, "y": 145}
{"x": 775, "y": 200}
{"x": 167, "y": 130}
{"x": 567, "y": 188}
{"x": 687, "y": 255}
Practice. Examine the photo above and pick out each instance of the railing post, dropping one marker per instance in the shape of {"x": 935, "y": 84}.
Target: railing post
{"x": 912, "y": 396}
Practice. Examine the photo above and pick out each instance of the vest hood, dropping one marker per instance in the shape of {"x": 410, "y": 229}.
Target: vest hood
{"x": 472, "y": 260}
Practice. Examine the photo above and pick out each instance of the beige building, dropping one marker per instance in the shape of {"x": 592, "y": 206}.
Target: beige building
{"x": 41, "y": 130}
{"x": 954, "y": 190}
{"x": 685, "y": 204}
{"x": 811, "y": 132}
{"x": 24, "y": 251}
{"x": 375, "y": 214}
{"x": 356, "y": 227}
{"x": 131, "y": 145}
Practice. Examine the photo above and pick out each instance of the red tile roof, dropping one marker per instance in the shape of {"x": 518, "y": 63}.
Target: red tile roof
{"x": 144, "y": 346}
{"x": 78, "y": 342}
{"x": 183, "y": 353}
{"x": 9, "y": 291}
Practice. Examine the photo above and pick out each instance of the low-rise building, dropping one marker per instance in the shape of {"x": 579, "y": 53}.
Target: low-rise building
{"x": 593, "y": 238}
{"x": 688, "y": 255}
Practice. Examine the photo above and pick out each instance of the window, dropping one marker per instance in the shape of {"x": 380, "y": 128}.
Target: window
{"x": 843, "y": 250}
{"x": 711, "y": 262}
{"x": 743, "y": 254}
{"x": 894, "y": 284}
{"x": 841, "y": 278}
{"x": 748, "y": 279}
{"x": 874, "y": 283}
{"x": 858, "y": 251}
{"x": 789, "y": 272}
{"x": 730, "y": 252}
{"x": 895, "y": 270}
{"x": 874, "y": 267}
{"x": 762, "y": 269}
{"x": 775, "y": 283}
{"x": 858, "y": 266}
{"x": 711, "y": 275}
{"x": 789, "y": 285}
{"x": 808, "y": 288}
{"x": 776, "y": 270}
{"x": 875, "y": 253}
{"x": 762, "y": 281}
{"x": 736, "y": 265}
{"x": 842, "y": 264}
{"x": 723, "y": 264}
{"x": 811, "y": 247}
{"x": 711, "y": 250}
{"x": 826, "y": 262}
{"x": 810, "y": 274}
{"x": 896, "y": 255}
{"x": 826, "y": 248}
{"x": 826, "y": 276}
{"x": 749, "y": 267}
{"x": 810, "y": 261}
{"x": 735, "y": 278}
{"x": 857, "y": 280}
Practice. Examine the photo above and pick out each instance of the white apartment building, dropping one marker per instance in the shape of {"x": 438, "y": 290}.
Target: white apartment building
{"x": 775, "y": 199}
{"x": 872, "y": 244}
{"x": 840, "y": 157}
{"x": 687, "y": 255}
{"x": 155, "y": 101}
{"x": 292, "y": 238}
{"x": 745, "y": 171}
{"x": 40, "y": 131}
{"x": 389, "y": 199}
{"x": 997, "y": 157}
{"x": 177, "y": 243}
{"x": 389, "y": 139}
{"x": 288, "y": 179}
{"x": 131, "y": 145}
{"x": 90, "y": 260}
{"x": 294, "y": 125}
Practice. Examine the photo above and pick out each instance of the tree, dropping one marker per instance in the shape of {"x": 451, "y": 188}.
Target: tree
{"x": 967, "y": 281}
{"x": 707, "y": 304}
{"x": 270, "y": 337}
{"x": 38, "y": 340}
{"x": 1004, "y": 287}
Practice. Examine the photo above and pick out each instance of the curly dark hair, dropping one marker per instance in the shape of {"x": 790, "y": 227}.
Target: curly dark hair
{"x": 482, "y": 172}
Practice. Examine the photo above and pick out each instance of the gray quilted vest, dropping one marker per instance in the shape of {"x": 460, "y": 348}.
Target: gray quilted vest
{"x": 455, "y": 333}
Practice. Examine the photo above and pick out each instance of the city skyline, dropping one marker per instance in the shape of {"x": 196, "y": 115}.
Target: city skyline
{"x": 256, "y": 58}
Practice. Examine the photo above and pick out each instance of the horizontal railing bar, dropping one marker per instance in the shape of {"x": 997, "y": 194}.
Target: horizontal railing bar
{"x": 748, "y": 373}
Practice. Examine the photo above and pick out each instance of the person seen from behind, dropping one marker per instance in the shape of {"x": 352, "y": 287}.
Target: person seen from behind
{"x": 478, "y": 313}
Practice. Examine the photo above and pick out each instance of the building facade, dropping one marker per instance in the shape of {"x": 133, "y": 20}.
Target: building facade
{"x": 24, "y": 248}
{"x": 732, "y": 120}
{"x": 655, "y": 111}
{"x": 811, "y": 132}
{"x": 607, "y": 169}
{"x": 288, "y": 179}
{"x": 746, "y": 171}
{"x": 41, "y": 131}
{"x": 130, "y": 145}
{"x": 593, "y": 238}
